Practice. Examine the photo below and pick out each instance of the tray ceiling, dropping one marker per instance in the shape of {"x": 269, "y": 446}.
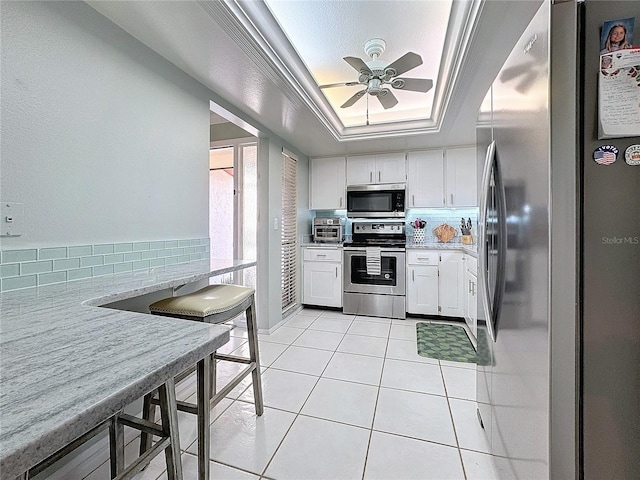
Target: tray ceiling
{"x": 322, "y": 33}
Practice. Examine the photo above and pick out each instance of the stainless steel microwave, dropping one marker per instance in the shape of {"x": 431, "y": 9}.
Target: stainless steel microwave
{"x": 376, "y": 201}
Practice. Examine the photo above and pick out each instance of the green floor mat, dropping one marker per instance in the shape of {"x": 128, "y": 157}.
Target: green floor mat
{"x": 445, "y": 342}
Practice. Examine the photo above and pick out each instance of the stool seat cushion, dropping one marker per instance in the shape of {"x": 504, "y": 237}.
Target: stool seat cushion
{"x": 206, "y": 301}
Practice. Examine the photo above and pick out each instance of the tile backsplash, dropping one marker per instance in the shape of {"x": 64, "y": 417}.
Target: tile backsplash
{"x": 433, "y": 217}
{"x": 32, "y": 267}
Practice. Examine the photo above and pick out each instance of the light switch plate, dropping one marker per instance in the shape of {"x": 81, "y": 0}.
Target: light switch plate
{"x": 11, "y": 219}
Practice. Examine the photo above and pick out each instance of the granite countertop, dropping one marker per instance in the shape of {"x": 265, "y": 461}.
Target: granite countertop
{"x": 322, "y": 244}
{"x": 68, "y": 364}
{"x": 470, "y": 249}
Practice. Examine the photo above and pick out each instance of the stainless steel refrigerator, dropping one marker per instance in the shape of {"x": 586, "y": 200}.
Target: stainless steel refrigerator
{"x": 558, "y": 376}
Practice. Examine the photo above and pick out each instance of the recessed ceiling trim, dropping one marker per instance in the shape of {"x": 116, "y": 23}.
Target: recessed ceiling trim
{"x": 463, "y": 21}
{"x": 254, "y": 19}
{"x": 226, "y": 16}
{"x": 257, "y": 32}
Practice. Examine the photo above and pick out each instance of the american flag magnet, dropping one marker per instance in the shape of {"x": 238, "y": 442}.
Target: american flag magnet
{"x": 605, "y": 155}
{"x": 632, "y": 155}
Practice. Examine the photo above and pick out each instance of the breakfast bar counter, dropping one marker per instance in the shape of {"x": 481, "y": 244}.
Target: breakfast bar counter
{"x": 67, "y": 365}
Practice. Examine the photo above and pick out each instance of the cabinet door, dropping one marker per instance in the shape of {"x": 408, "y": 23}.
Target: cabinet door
{"x": 451, "y": 278}
{"x": 425, "y": 179}
{"x": 461, "y": 182}
{"x": 390, "y": 168}
{"x": 473, "y": 305}
{"x": 467, "y": 295}
{"x": 328, "y": 184}
{"x": 322, "y": 284}
{"x": 360, "y": 169}
{"x": 422, "y": 289}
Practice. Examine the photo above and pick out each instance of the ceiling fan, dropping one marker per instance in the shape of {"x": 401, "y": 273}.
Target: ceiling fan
{"x": 376, "y": 74}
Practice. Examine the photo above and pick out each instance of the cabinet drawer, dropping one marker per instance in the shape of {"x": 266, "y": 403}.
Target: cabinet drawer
{"x": 322, "y": 254}
{"x": 422, "y": 257}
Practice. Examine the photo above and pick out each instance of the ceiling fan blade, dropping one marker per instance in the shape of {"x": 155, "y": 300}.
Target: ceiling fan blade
{"x": 354, "y": 98}
{"x": 387, "y": 99}
{"x": 358, "y": 64}
{"x": 405, "y": 63}
{"x": 414, "y": 84}
{"x": 343, "y": 84}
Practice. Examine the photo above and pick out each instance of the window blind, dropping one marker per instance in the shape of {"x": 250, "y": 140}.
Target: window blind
{"x": 289, "y": 231}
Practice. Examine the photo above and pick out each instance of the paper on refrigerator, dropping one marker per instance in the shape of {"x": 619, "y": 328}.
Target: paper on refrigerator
{"x": 619, "y": 94}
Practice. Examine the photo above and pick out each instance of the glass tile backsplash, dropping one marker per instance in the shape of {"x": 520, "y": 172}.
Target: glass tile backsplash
{"x": 433, "y": 216}
{"x": 23, "y": 268}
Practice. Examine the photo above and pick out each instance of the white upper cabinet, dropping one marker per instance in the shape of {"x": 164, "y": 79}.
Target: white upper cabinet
{"x": 425, "y": 179}
{"x": 461, "y": 177}
{"x": 391, "y": 168}
{"x": 327, "y": 188}
{"x": 442, "y": 178}
{"x": 380, "y": 168}
{"x": 360, "y": 169}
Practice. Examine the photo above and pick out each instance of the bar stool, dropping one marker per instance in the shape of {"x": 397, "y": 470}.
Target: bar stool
{"x": 167, "y": 432}
{"x": 212, "y": 304}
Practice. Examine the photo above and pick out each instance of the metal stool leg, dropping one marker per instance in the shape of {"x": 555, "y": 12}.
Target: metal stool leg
{"x": 204, "y": 416}
{"x": 252, "y": 332}
{"x": 148, "y": 413}
{"x": 116, "y": 446}
{"x": 169, "y": 414}
{"x": 213, "y": 372}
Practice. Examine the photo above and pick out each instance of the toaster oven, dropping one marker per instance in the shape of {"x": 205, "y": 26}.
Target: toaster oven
{"x": 328, "y": 229}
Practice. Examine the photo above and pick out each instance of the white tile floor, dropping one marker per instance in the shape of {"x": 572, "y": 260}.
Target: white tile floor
{"x": 346, "y": 397}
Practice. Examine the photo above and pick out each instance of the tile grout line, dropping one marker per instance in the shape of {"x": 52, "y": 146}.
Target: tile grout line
{"x": 264, "y": 471}
{"x": 375, "y": 408}
{"x": 453, "y": 423}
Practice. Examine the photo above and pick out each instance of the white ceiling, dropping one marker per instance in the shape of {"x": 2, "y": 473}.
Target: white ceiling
{"x": 237, "y": 50}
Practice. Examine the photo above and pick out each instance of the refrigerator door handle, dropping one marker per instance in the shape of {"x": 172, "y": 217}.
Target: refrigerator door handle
{"x": 501, "y": 274}
{"x": 490, "y": 305}
{"x": 483, "y": 247}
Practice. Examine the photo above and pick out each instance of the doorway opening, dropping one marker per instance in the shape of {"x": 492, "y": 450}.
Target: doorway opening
{"x": 233, "y": 205}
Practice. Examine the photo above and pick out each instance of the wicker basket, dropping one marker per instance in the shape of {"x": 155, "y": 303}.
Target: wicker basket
{"x": 444, "y": 232}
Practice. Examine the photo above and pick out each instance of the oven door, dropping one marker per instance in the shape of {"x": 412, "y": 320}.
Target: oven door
{"x": 390, "y": 281}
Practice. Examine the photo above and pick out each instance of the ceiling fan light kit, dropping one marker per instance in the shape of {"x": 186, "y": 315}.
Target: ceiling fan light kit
{"x": 376, "y": 74}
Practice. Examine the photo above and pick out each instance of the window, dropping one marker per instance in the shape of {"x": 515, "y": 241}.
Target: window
{"x": 289, "y": 258}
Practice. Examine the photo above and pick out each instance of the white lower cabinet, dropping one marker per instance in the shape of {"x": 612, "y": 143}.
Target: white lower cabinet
{"x": 471, "y": 293}
{"x": 322, "y": 276}
{"x": 434, "y": 280}
{"x": 450, "y": 297}
{"x": 422, "y": 282}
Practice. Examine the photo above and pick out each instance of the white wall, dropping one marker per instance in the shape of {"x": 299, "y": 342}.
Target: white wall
{"x": 102, "y": 139}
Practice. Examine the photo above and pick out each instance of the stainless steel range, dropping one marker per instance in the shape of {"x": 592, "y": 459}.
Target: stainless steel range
{"x": 374, "y": 270}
